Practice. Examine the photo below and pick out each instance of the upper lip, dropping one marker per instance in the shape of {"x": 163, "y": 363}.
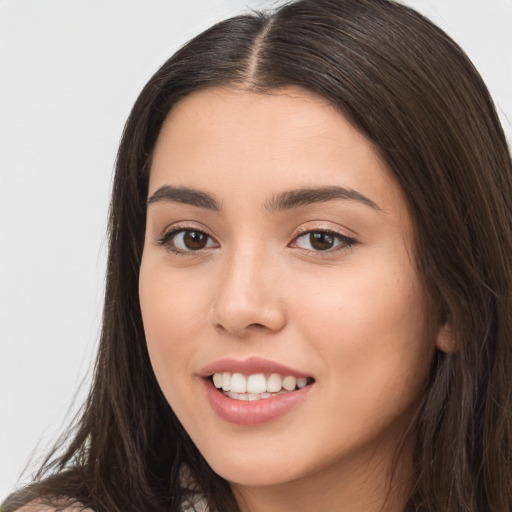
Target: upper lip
{"x": 249, "y": 366}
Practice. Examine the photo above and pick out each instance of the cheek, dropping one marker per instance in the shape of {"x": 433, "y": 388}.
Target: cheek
{"x": 170, "y": 313}
{"x": 369, "y": 326}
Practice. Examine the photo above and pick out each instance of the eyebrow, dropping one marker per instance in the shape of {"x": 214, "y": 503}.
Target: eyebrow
{"x": 283, "y": 201}
{"x": 306, "y": 196}
{"x": 184, "y": 195}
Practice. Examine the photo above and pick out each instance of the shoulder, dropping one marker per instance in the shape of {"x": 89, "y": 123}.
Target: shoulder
{"x": 41, "y": 507}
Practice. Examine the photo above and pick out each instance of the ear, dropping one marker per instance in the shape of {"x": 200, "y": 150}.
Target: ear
{"x": 445, "y": 339}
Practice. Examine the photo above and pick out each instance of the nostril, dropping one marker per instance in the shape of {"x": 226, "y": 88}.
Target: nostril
{"x": 243, "y": 317}
{"x": 249, "y": 327}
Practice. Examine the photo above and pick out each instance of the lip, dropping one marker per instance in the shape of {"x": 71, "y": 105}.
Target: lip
{"x": 257, "y": 412}
{"x": 249, "y": 366}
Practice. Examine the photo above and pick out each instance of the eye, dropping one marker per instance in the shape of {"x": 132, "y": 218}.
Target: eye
{"x": 181, "y": 240}
{"x": 322, "y": 241}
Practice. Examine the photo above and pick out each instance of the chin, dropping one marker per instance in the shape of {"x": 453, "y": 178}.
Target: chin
{"x": 254, "y": 474}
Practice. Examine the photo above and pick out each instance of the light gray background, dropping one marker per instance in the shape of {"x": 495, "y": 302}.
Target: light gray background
{"x": 69, "y": 73}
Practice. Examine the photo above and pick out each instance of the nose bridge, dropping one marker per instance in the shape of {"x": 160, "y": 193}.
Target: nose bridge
{"x": 248, "y": 292}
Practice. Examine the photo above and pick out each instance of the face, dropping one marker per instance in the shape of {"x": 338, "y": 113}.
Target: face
{"x": 278, "y": 256}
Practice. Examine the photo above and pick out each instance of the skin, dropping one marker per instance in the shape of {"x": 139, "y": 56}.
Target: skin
{"x": 353, "y": 317}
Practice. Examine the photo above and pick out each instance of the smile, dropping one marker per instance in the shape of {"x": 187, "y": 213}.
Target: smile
{"x": 257, "y": 386}
{"x": 254, "y": 391}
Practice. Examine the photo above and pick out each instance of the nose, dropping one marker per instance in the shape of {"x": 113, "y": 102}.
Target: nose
{"x": 248, "y": 298}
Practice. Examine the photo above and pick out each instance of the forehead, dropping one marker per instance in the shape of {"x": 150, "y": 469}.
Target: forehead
{"x": 237, "y": 142}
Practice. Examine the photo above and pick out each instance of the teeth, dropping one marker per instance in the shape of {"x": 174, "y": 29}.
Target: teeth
{"x": 302, "y": 382}
{"x": 274, "y": 383}
{"x": 238, "y": 383}
{"x": 252, "y": 396}
{"x": 256, "y": 386}
{"x": 289, "y": 383}
{"x": 257, "y": 383}
{"x": 217, "y": 380}
{"x": 226, "y": 381}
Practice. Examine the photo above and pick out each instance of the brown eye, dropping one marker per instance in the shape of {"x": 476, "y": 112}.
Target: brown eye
{"x": 321, "y": 241}
{"x": 187, "y": 240}
{"x": 195, "y": 240}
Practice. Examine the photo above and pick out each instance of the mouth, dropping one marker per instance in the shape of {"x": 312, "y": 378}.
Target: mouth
{"x": 254, "y": 391}
{"x": 257, "y": 386}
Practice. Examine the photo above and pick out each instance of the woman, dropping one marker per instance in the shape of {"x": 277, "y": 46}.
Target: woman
{"x": 308, "y": 301}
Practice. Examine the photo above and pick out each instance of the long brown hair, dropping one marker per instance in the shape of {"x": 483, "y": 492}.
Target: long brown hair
{"x": 410, "y": 90}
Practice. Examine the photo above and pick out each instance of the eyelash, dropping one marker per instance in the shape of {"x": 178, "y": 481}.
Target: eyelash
{"x": 344, "y": 242}
{"x": 167, "y": 239}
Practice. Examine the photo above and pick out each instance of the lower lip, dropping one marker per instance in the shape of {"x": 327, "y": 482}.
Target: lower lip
{"x": 253, "y": 412}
